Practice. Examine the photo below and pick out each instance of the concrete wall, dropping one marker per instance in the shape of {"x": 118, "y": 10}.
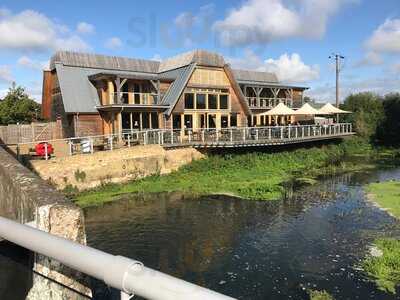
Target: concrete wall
{"x": 25, "y": 197}
{"x": 90, "y": 170}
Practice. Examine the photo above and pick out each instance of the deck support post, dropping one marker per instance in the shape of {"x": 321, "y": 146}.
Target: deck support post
{"x": 91, "y": 146}
{"x": 269, "y": 133}
{"x": 281, "y": 133}
{"x": 190, "y": 136}
{"x": 202, "y": 135}
{"x": 256, "y": 134}
{"x": 231, "y": 135}
{"x": 302, "y": 132}
{"x": 129, "y": 140}
{"x": 70, "y": 147}
{"x": 217, "y": 135}
{"x": 296, "y": 133}
{"x": 244, "y": 134}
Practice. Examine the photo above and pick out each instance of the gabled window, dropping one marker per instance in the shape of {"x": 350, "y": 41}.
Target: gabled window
{"x": 212, "y": 101}
{"x": 201, "y": 101}
{"x": 223, "y": 102}
{"x": 189, "y": 101}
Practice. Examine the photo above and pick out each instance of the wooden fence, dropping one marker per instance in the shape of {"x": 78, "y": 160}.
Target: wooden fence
{"x": 26, "y": 133}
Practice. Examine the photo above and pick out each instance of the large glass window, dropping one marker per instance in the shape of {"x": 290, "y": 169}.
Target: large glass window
{"x": 189, "y": 101}
{"x": 201, "y": 101}
{"x": 212, "y": 101}
{"x": 176, "y": 121}
{"x": 233, "y": 120}
{"x": 224, "y": 121}
{"x": 223, "y": 101}
{"x": 212, "y": 121}
{"x": 146, "y": 120}
{"x": 154, "y": 120}
{"x": 188, "y": 121}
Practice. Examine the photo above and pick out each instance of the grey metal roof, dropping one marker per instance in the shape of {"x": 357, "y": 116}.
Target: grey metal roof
{"x": 78, "y": 93}
{"x": 87, "y": 60}
{"x": 171, "y": 97}
{"x": 248, "y": 75}
{"x": 200, "y": 57}
{"x": 272, "y": 84}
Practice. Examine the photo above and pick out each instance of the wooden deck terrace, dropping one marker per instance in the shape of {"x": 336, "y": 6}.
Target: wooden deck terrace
{"x": 242, "y": 137}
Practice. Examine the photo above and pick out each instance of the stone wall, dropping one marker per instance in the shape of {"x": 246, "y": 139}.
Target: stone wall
{"x": 24, "y": 197}
{"x": 86, "y": 171}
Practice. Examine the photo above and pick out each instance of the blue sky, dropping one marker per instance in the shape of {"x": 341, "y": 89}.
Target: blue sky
{"x": 292, "y": 38}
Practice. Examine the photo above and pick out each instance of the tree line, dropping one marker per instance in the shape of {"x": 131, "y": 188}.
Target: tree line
{"x": 375, "y": 117}
{"x": 17, "y": 107}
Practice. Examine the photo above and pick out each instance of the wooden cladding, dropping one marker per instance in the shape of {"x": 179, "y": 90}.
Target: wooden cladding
{"x": 210, "y": 77}
{"x": 47, "y": 95}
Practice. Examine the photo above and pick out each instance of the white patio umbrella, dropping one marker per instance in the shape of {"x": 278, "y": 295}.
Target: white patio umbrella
{"x": 279, "y": 110}
{"x": 330, "y": 109}
{"x": 308, "y": 110}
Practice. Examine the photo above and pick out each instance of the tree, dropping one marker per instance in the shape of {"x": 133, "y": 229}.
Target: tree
{"x": 389, "y": 130}
{"x": 367, "y": 113}
{"x": 18, "y": 107}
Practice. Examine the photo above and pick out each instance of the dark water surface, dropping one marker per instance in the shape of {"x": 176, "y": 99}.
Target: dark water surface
{"x": 314, "y": 239}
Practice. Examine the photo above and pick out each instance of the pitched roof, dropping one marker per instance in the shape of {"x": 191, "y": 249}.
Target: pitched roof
{"x": 171, "y": 97}
{"x": 200, "y": 57}
{"x": 247, "y": 75}
{"x": 78, "y": 94}
{"x": 97, "y": 61}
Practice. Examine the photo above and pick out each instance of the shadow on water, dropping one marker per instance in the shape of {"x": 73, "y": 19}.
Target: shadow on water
{"x": 15, "y": 271}
{"x": 312, "y": 239}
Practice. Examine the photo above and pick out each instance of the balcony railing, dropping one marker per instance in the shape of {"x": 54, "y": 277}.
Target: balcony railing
{"x": 134, "y": 98}
{"x": 255, "y": 102}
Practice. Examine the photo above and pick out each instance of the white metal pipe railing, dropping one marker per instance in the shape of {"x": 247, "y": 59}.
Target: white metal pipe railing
{"x": 122, "y": 273}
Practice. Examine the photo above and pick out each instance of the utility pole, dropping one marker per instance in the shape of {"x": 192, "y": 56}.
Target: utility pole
{"x": 338, "y": 58}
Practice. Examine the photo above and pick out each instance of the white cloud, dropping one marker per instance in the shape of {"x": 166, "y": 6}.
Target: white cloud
{"x": 288, "y": 68}
{"x": 85, "y": 28}
{"x": 113, "y": 43}
{"x": 370, "y": 59}
{"x": 27, "y": 62}
{"x": 32, "y": 31}
{"x": 6, "y": 75}
{"x": 386, "y": 38}
{"x": 156, "y": 57}
{"x": 263, "y": 21}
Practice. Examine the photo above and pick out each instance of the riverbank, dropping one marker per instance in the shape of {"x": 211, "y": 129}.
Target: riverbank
{"x": 383, "y": 264}
{"x": 386, "y": 195}
{"x": 255, "y": 175}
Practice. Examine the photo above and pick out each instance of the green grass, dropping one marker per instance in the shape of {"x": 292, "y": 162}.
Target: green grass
{"x": 386, "y": 195}
{"x": 385, "y": 270}
{"x": 319, "y": 295}
{"x": 255, "y": 175}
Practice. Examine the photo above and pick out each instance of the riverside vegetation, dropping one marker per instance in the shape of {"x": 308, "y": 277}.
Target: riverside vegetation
{"x": 384, "y": 269}
{"x": 254, "y": 175}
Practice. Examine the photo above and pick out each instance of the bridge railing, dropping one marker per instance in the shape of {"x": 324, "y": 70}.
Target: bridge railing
{"x": 239, "y": 135}
{"x": 189, "y": 137}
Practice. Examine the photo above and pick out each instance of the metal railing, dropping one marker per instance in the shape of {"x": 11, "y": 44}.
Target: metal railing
{"x": 239, "y": 136}
{"x": 134, "y": 98}
{"x": 267, "y": 135}
{"x": 261, "y": 102}
{"x": 129, "y": 276}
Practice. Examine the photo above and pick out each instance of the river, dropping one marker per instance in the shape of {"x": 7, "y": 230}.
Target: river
{"x": 312, "y": 239}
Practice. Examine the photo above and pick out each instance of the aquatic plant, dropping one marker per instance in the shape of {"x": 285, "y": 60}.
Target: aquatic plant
{"x": 385, "y": 269}
{"x": 319, "y": 295}
{"x": 252, "y": 175}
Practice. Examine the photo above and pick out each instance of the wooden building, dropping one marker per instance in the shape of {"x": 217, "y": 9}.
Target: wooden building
{"x": 96, "y": 94}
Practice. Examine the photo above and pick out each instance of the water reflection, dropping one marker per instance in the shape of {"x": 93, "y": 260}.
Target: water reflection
{"x": 250, "y": 249}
